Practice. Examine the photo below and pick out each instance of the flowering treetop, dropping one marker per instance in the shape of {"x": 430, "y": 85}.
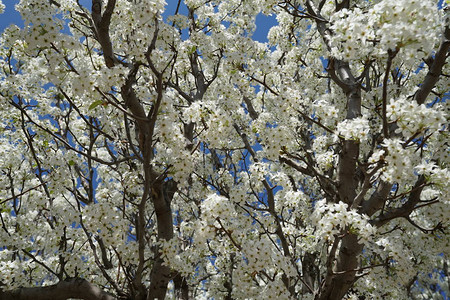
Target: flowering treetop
{"x": 147, "y": 157}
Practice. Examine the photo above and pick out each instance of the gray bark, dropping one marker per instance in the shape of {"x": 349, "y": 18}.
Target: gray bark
{"x": 73, "y": 288}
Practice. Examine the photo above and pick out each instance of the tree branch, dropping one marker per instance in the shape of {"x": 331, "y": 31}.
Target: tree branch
{"x": 391, "y": 56}
{"x": 377, "y": 199}
{"x": 436, "y": 67}
{"x": 405, "y": 209}
{"x": 71, "y": 288}
{"x": 102, "y": 23}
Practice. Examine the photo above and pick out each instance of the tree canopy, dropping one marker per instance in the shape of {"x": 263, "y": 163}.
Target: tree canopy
{"x": 153, "y": 151}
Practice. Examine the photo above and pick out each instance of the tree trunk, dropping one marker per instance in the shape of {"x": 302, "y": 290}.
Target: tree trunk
{"x": 344, "y": 273}
{"x": 160, "y": 276}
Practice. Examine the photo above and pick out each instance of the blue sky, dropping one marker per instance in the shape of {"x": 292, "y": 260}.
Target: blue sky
{"x": 10, "y": 16}
{"x": 264, "y": 23}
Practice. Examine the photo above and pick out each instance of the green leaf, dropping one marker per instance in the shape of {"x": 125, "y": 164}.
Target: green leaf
{"x": 192, "y": 49}
{"x": 95, "y": 104}
{"x": 71, "y": 163}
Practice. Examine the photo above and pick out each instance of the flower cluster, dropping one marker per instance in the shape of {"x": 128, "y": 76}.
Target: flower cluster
{"x": 354, "y": 129}
{"x": 410, "y": 25}
{"x": 243, "y": 138}
{"x": 326, "y": 112}
{"x": 216, "y": 206}
{"x": 183, "y": 261}
{"x": 399, "y": 161}
{"x": 334, "y": 218}
{"x": 413, "y": 119}
{"x": 326, "y": 160}
{"x": 108, "y": 224}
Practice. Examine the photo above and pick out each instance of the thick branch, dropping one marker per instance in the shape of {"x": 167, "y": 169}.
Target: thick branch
{"x": 72, "y": 288}
{"x": 102, "y": 23}
{"x": 251, "y": 110}
{"x": 367, "y": 184}
{"x": 405, "y": 209}
{"x": 435, "y": 70}
{"x": 344, "y": 275}
{"x": 294, "y": 165}
{"x": 377, "y": 199}
{"x": 349, "y": 248}
{"x": 162, "y": 194}
{"x": 385, "y": 80}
